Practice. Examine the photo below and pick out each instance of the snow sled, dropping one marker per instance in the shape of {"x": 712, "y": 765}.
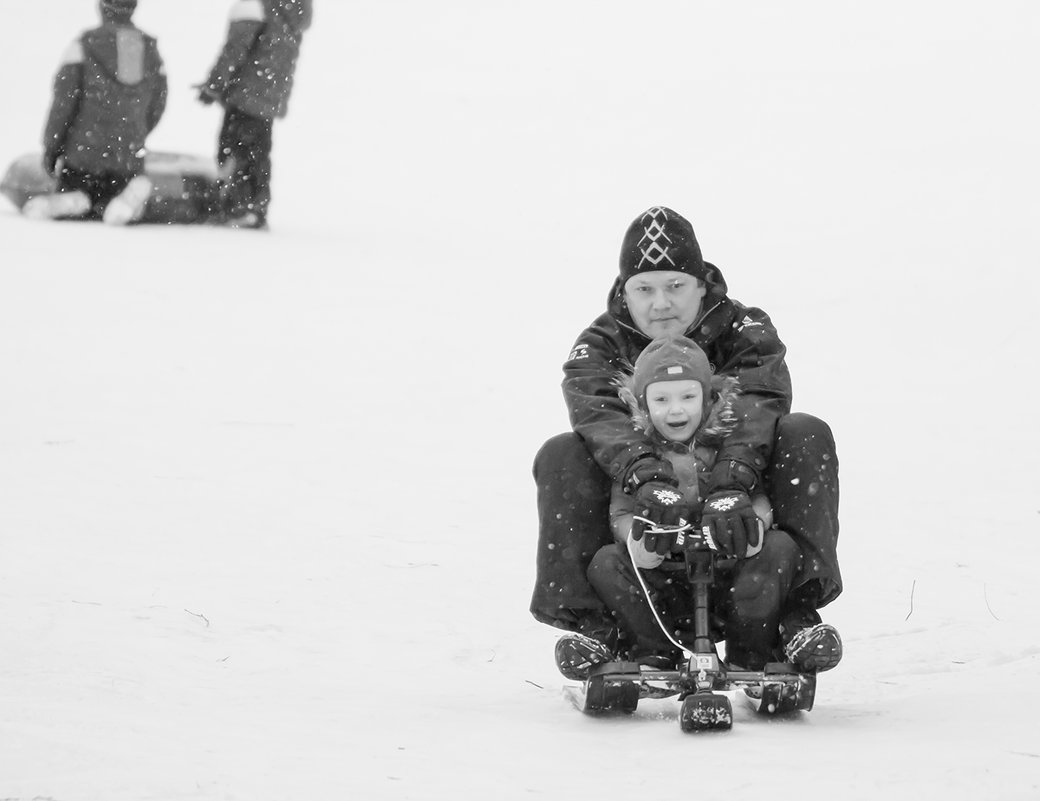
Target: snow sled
{"x": 184, "y": 187}
{"x": 700, "y": 683}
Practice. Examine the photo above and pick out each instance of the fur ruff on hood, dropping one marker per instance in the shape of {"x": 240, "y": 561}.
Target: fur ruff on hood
{"x": 720, "y": 420}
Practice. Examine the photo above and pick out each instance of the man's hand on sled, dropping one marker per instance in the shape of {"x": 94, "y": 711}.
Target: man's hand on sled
{"x": 647, "y": 469}
{"x": 642, "y": 558}
{"x": 658, "y": 505}
{"x": 729, "y": 521}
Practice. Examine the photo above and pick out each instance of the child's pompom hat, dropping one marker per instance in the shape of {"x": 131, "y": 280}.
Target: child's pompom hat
{"x": 671, "y": 358}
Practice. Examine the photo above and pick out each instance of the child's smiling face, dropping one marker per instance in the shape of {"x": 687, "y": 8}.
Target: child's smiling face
{"x": 675, "y": 408}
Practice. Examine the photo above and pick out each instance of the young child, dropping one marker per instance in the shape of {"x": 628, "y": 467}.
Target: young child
{"x": 252, "y": 79}
{"x": 109, "y": 94}
{"x": 685, "y": 412}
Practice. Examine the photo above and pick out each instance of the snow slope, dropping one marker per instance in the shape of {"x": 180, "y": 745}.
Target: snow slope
{"x": 267, "y": 518}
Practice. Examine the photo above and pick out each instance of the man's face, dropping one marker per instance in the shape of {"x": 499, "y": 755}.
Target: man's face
{"x": 675, "y": 408}
{"x": 664, "y": 301}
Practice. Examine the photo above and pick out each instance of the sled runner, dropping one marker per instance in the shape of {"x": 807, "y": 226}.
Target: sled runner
{"x": 184, "y": 187}
{"x": 617, "y": 687}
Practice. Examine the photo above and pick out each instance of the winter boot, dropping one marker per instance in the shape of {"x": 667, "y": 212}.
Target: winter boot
{"x": 128, "y": 205}
{"x": 808, "y": 643}
{"x": 56, "y": 206}
{"x": 249, "y": 219}
{"x": 577, "y": 654}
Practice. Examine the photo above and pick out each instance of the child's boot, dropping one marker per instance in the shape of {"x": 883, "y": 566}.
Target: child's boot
{"x": 56, "y": 206}
{"x": 128, "y": 206}
{"x": 249, "y": 219}
{"x": 808, "y": 643}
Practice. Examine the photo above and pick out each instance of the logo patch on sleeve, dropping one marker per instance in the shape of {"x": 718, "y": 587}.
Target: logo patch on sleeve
{"x": 579, "y": 352}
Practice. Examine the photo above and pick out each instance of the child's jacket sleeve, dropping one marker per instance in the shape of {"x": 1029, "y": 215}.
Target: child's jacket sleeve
{"x": 246, "y": 25}
{"x": 68, "y": 92}
{"x": 158, "y": 103}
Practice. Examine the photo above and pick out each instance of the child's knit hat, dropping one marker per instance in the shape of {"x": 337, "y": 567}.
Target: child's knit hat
{"x": 120, "y": 10}
{"x": 671, "y": 358}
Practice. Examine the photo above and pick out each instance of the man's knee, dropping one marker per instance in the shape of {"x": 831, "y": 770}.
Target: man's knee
{"x": 802, "y": 427}
{"x": 564, "y": 467}
{"x": 561, "y": 452}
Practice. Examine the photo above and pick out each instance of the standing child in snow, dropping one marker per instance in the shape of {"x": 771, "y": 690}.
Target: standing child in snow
{"x": 252, "y": 79}
{"x": 108, "y": 96}
{"x": 685, "y": 412}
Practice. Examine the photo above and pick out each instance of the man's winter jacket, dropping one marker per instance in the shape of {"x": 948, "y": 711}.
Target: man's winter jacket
{"x": 740, "y": 341}
{"x": 255, "y": 70}
{"x": 109, "y": 94}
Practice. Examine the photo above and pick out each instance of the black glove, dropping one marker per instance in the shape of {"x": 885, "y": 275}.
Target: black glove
{"x": 207, "y": 94}
{"x": 729, "y": 520}
{"x": 646, "y": 469}
{"x": 731, "y": 475}
{"x": 657, "y": 504}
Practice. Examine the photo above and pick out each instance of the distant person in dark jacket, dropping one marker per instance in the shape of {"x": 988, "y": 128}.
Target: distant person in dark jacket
{"x": 109, "y": 94}
{"x": 252, "y": 80}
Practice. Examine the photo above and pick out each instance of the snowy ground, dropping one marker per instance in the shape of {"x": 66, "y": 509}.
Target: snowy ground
{"x": 267, "y": 518}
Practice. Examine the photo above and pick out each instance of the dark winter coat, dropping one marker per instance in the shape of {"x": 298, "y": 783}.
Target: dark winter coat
{"x": 692, "y": 461}
{"x": 255, "y": 70}
{"x": 740, "y": 341}
{"x": 108, "y": 96}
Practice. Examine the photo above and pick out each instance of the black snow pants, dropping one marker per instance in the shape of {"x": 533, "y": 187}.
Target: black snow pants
{"x": 245, "y": 153}
{"x": 747, "y": 601}
{"x": 101, "y": 188}
{"x": 573, "y": 496}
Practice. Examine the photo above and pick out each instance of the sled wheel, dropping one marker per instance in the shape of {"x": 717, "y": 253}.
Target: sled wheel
{"x": 706, "y": 712}
{"x": 806, "y": 692}
{"x": 783, "y": 699}
{"x": 603, "y": 697}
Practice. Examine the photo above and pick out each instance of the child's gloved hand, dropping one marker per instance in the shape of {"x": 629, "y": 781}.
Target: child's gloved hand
{"x": 657, "y": 504}
{"x": 207, "y": 95}
{"x": 647, "y": 469}
{"x": 729, "y": 520}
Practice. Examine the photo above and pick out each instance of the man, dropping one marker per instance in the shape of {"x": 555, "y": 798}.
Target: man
{"x": 664, "y": 287}
{"x": 109, "y": 94}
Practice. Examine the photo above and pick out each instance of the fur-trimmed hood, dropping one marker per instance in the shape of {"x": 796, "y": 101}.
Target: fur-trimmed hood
{"x": 717, "y": 424}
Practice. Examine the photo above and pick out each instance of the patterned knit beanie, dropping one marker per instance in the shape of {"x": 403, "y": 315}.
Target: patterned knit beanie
{"x": 660, "y": 239}
{"x": 671, "y": 359}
